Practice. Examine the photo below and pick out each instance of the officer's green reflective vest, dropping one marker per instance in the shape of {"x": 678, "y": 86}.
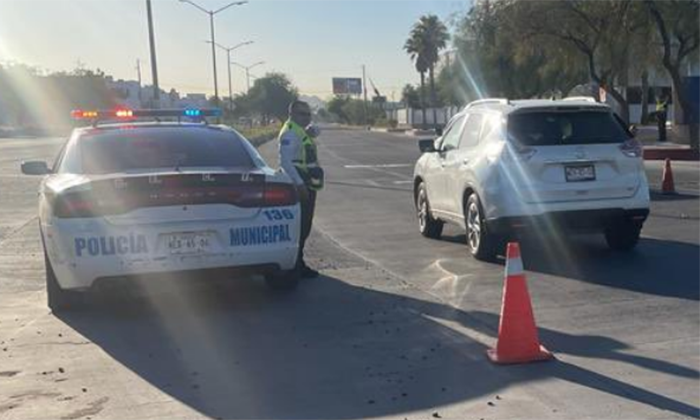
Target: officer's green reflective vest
{"x": 307, "y": 166}
{"x": 660, "y": 106}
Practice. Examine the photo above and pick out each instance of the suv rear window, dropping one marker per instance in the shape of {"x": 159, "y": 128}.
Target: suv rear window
{"x": 551, "y": 128}
{"x": 133, "y": 149}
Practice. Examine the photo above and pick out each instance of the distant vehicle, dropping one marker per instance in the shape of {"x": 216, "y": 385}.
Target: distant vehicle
{"x": 134, "y": 198}
{"x": 503, "y": 166}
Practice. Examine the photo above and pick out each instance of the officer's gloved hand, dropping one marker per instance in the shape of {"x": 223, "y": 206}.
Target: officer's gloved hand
{"x": 313, "y": 131}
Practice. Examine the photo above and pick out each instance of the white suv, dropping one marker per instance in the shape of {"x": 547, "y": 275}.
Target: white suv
{"x": 503, "y": 166}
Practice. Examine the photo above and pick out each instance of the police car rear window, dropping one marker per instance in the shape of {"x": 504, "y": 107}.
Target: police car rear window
{"x": 124, "y": 150}
{"x": 550, "y": 128}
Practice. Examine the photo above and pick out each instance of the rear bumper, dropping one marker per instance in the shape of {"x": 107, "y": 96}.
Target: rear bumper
{"x": 576, "y": 220}
{"x": 82, "y": 275}
{"x": 84, "y": 250}
{"x": 207, "y": 274}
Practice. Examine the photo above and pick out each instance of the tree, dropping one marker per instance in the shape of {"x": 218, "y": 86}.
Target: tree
{"x": 415, "y": 50}
{"x": 678, "y": 27}
{"x": 493, "y": 58}
{"x": 428, "y": 37}
{"x": 601, "y": 31}
{"x": 351, "y": 111}
{"x": 410, "y": 96}
{"x": 269, "y": 97}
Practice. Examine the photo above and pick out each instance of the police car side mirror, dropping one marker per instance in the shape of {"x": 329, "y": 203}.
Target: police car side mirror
{"x": 35, "y": 167}
{"x": 427, "y": 146}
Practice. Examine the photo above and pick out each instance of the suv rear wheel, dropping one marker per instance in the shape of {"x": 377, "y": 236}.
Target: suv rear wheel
{"x": 482, "y": 245}
{"x": 623, "y": 236}
{"x": 427, "y": 225}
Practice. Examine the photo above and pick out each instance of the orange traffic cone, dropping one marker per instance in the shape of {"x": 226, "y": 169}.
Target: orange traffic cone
{"x": 517, "y": 333}
{"x": 667, "y": 185}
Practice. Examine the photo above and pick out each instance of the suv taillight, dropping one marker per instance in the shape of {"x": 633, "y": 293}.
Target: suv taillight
{"x": 631, "y": 148}
{"x": 520, "y": 153}
{"x": 279, "y": 195}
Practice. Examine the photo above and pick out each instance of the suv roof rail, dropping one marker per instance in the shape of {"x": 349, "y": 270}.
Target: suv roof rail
{"x": 580, "y": 98}
{"x": 482, "y": 102}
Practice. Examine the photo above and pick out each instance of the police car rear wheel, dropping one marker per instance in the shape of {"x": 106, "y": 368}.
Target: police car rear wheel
{"x": 428, "y": 226}
{"x": 59, "y": 299}
{"x": 284, "y": 280}
{"x": 482, "y": 244}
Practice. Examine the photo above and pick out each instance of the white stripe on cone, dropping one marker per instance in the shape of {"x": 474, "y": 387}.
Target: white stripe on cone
{"x": 514, "y": 265}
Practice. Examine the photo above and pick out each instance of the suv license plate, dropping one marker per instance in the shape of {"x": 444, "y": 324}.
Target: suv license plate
{"x": 189, "y": 243}
{"x": 580, "y": 173}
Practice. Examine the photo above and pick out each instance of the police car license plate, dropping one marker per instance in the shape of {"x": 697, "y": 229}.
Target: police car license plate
{"x": 580, "y": 173}
{"x": 189, "y": 243}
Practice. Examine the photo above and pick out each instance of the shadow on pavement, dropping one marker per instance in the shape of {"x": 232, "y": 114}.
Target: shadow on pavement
{"x": 658, "y": 267}
{"x": 329, "y": 351}
{"x": 658, "y": 196}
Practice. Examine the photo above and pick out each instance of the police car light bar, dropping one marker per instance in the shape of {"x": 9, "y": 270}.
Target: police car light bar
{"x": 116, "y": 114}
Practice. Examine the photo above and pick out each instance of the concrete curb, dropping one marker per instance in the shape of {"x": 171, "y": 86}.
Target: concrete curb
{"x": 673, "y": 153}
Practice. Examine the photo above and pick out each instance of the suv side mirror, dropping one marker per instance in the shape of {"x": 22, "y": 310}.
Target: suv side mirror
{"x": 438, "y": 131}
{"x": 35, "y": 167}
{"x": 427, "y": 146}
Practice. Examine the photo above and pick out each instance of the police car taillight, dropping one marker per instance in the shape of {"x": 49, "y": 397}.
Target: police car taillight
{"x": 75, "y": 204}
{"x": 279, "y": 195}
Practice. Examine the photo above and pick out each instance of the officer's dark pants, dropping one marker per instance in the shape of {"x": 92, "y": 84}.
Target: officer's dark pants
{"x": 307, "y": 199}
{"x": 661, "y": 120}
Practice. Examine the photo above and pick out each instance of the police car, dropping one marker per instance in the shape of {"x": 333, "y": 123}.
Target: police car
{"x": 136, "y": 197}
{"x": 506, "y": 166}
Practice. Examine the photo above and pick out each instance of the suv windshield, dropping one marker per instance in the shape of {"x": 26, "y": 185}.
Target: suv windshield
{"x": 551, "y": 128}
{"x": 126, "y": 150}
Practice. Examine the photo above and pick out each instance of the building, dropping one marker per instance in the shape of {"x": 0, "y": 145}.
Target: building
{"x": 130, "y": 94}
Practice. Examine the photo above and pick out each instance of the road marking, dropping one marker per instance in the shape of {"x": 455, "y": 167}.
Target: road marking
{"x": 384, "y": 165}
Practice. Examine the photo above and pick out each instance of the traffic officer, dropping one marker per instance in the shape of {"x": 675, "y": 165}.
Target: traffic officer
{"x": 661, "y": 115}
{"x": 299, "y": 158}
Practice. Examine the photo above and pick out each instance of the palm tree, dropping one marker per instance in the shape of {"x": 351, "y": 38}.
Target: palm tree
{"x": 414, "y": 48}
{"x": 434, "y": 36}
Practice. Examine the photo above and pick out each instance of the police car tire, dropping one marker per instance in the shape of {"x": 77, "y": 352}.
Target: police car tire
{"x": 427, "y": 225}
{"x": 282, "y": 280}
{"x": 59, "y": 299}
{"x": 623, "y": 236}
{"x": 485, "y": 247}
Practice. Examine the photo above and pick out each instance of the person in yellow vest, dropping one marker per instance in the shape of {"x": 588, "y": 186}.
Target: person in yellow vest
{"x": 661, "y": 115}
{"x": 298, "y": 157}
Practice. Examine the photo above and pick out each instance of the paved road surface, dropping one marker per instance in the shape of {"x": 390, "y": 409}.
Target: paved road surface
{"x": 396, "y": 327}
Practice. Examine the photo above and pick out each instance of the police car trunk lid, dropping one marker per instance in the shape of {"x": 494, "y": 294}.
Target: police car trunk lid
{"x": 163, "y": 197}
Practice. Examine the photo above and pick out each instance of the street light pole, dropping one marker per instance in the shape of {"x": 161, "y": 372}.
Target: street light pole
{"x": 247, "y": 71}
{"x": 228, "y": 61}
{"x": 211, "y": 14}
{"x": 154, "y": 65}
{"x": 213, "y": 58}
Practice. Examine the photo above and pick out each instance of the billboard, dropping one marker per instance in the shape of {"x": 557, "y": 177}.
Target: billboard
{"x": 347, "y": 86}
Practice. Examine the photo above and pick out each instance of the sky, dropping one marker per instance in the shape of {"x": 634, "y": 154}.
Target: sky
{"x": 310, "y": 41}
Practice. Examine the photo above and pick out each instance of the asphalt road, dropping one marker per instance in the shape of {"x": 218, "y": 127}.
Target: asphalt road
{"x": 396, "y": 327}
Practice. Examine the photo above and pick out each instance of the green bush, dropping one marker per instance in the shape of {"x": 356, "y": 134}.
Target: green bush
{"x": 259, "y": 135}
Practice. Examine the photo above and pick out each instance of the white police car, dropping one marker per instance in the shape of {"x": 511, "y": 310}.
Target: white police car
{"x": 503, "y": 166}
{"x": 133, "y": 198}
